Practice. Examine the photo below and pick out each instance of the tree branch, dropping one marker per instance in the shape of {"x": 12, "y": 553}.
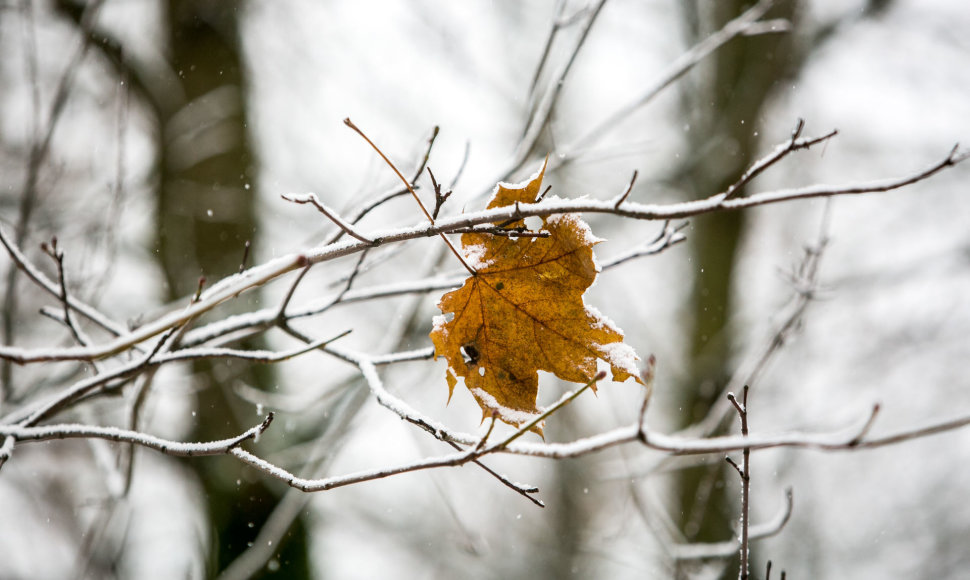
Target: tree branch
{"x": 166, "y": 446}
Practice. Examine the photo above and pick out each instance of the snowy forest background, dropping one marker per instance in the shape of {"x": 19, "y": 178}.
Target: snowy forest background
{"x": 154, "y": 139}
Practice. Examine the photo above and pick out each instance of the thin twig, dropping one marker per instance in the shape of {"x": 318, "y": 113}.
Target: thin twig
{"x": 414, "y": 194}
{"x": 524, "y": 490}
{"x": 744, "y": 470}
{"x": 381, "y": 200}
{"x": 257, "y": 356}
{"x": 805, "y": 286}
{"x": 453, "y": 460}
{"x": 780, "y": 152}
{"x": 629, "y": 189}
{"x": 311, "y": 198}
{"x": 669, "y": 236}
{"x": 281, "y": 309}
{"x": 225, "y": 290}
{"x": 40, "y": 279}
{"x": 439, "y": 197}
{"x": 57, "y": 255}
{"x": 536, "y": 422}
{"x": 245, "y": 257}
{"x": 31, "y": 415}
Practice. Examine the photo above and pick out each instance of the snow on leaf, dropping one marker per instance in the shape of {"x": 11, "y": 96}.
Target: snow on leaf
{"x": 523, "y": 312}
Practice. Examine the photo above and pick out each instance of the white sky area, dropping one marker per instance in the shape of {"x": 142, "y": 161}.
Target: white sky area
{"x": 890, "y": 326}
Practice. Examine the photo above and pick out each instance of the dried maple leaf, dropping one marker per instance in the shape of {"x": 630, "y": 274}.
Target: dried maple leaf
{"x": 523, "y": 312}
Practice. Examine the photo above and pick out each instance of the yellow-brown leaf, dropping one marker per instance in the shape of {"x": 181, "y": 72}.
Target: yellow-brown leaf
{"x": 523, "y": 312}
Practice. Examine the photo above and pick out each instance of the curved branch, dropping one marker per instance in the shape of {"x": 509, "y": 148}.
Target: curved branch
{"x": 166, "y": 446}
{"x": 730, "y": 548}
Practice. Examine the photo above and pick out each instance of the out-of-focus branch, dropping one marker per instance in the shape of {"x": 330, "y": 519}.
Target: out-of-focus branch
{"x": 730, "y": 548}
{"x": 225, "y": 290}
{"x": 746, "y": 24}
{"x": 541, "y": 115}
{"x": 669, "y": 236}
{"x": 805, "y": 283}
{"x": 38, "y": 154}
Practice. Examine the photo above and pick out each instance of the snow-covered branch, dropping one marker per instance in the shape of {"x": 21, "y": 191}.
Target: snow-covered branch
{"x": 166, "y": 446}
{"x": 259, "y": 275}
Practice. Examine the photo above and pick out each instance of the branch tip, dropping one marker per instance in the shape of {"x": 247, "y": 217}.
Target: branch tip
{"x": 629, "y": 189}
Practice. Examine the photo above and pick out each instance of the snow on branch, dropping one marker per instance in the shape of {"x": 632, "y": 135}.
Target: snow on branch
{"x": 166, "y": 446}
{"x": 234, "y": 285}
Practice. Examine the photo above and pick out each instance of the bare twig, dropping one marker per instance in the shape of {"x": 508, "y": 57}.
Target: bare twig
{"x": 6, "y": 449}
{"x": 35, "y": 413}
{"x": 524, "y": 490}
{"x": 557, "y": 24}
{"x": 414, "y": 194}
{"x": 245, "y": 257}
{"x": 257, "y": 356}
{"x": 439, "y": 197}
{"x": 281, "y": 309}
{"x": 536, "y": 423}
{"x": 311, "y": 198}
{"x": 362, "y": 476}
{"x": 629, "y": 189}
{"x": 57, "y": 255}
{"x": 53, "y": 288}
{"x": 744, "y": 470}
{"x": 670, "y": 235}
{"x": 217, "y": 294}
{"x": 780, "y": 152}
{"x": 382, "y": 199}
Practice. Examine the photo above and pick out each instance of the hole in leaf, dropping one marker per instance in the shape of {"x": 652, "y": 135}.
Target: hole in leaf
{"x": 470, "y": 354}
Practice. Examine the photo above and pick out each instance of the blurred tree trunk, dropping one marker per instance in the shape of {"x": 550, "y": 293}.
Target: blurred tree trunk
{"x": 723, "y": 107}
{"x": 206, "y": 216}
